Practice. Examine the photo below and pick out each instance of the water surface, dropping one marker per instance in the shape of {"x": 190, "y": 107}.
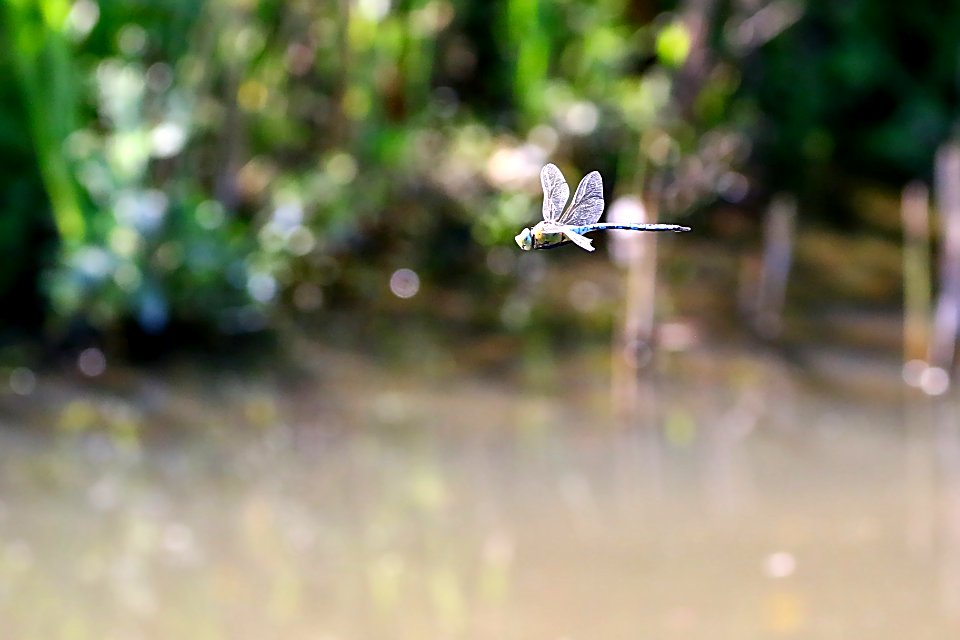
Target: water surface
{"x": 365, "y": 500}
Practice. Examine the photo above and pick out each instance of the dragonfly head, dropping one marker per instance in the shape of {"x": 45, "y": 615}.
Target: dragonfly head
{"x": 525, "y": 239}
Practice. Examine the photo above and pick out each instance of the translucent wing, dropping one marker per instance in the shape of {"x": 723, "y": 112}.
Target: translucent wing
{"x": 555, "y": 192}
{"x": 587, "y": 204}
{"x": 581, "y": 241}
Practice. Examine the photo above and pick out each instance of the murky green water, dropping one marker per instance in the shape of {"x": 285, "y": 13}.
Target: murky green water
{"x": 369, "y": 502}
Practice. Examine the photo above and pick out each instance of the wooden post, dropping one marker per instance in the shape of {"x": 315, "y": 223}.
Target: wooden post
{"x": 635, "y": 397}
{"x": 947, "y": 316}
{"x": 920, "y": 464}
{"x": 915, "y": 210}
{"x": 775, "y": 268}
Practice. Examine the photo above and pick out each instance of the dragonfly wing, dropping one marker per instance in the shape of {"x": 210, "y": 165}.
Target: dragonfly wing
{"x": 581, "y": 241}
{"x": 587, "y": 204}
{"x": 555, "y": 192}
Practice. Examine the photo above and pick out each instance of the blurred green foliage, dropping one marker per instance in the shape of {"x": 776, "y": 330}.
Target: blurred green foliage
{"x": 202, "y": 163}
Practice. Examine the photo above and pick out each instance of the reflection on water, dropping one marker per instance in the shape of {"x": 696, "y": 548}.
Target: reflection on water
{"x": 376, "y": 503}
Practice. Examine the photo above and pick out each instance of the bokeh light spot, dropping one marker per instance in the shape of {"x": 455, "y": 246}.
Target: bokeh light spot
{"x": 404, "y": 283}
{"x": 342, "y": 168}
{"x": 545, "y": 137}
{"x": 299, "y": 58}
{"x": 301, "y": 241}
{"x": 934, "y": 381}
{"x": 375, "y": 10}
{"x": 142, "y": 210}
{"x": 673, "y": 44}
{"x": 124, "y": 241}
{"x": 581, "y": 118}
{"x": 252, "y": 95}
{"x": 913, "y": 372}
{"x": 287, "y": 216}
{"x": 22, "y": 381}
{"x": 159, "y": 77}
{"x": 83, "y": 16}
{"x": 127, "y": 276}
{"x": 515, "y": 166}
{"x": 92, "y": 362}
{"x": 132, "y": 39}
{"x": 733, "y": 186}
{"x": 262, "y": 287}
{"x": 168, "y": 139}
{"x": 779, "y": 565}
{"x": 210, "y": 214}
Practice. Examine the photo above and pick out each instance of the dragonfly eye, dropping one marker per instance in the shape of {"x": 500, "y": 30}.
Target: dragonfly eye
{"x": 525, "y": 239}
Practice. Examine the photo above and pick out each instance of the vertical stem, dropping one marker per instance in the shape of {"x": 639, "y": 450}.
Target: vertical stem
{"x": 919, "y": 448}
{"x": 943, "y": 340}
{"x": 916, "y": 271}
{"x": 775, "y": 272}
{"x": 634, "y": 340}
{"x": 942, "y": 353}
{"x": 641, "y": 288}
{"x": 634, "y": 389}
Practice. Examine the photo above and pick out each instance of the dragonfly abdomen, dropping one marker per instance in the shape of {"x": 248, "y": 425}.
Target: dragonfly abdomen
{"x": 637, "y": 226}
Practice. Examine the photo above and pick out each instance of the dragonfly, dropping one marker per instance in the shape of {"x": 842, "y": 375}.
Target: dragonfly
{"x": 559, "y": 227}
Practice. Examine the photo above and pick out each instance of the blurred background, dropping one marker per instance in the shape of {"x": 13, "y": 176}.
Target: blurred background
{"x": 271, "y": 364}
